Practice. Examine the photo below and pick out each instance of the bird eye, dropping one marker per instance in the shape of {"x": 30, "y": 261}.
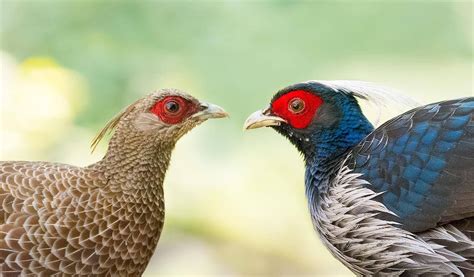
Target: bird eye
{"x": 296, "y": 105}
{"x": 172, "y": 107}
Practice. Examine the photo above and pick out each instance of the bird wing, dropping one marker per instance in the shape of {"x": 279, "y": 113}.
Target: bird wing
{"x": 423, "y": 163}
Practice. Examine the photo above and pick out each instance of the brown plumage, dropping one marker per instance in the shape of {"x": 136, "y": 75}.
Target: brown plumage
{"x": 104, "y": 219}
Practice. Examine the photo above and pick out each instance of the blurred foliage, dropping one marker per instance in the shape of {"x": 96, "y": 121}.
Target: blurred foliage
{"x": 235, "y": 203}
{"x": 35, "y": 86}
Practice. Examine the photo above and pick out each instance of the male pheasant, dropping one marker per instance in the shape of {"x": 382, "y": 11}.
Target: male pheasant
{"x": 104, "y": 219}
{"x": 395, "y": 200}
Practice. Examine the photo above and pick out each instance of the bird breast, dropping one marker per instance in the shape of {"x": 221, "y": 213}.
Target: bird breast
{"x": 345, "y": 218}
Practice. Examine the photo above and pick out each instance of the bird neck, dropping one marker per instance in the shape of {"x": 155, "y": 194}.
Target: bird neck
{"x": 326, "y": 150}
{"x": 330, "y": 143}
{"x": 136, "y": 164}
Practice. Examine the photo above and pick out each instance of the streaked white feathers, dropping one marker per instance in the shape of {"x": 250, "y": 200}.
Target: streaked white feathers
{"x": 345, "y": 218}
{"x": 380, "y": 97}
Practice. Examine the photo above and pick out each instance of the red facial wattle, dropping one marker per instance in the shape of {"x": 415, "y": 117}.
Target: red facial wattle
{"x": 303, "y": 118}
{"x": 163, "y": 111}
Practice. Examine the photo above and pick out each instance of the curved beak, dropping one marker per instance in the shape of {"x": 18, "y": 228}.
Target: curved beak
{"x": 260, "y": 119}
{"x": 209, "y": 110}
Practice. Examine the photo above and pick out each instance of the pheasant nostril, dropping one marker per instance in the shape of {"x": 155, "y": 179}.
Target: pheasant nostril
{"x": 203, "y": 106}
{"x": 267, "y": 111}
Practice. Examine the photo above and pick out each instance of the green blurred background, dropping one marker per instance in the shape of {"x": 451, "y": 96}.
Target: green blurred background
{"x": 235, "y": 202}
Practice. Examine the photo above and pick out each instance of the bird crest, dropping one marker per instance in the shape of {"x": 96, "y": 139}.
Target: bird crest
{"x": 383, "y": 99}
{"x": 111, "y": 125}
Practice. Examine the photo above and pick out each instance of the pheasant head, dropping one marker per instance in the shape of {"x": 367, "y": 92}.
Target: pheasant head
{"x": 161, "y": 117}
{"x": 147, "y": 131}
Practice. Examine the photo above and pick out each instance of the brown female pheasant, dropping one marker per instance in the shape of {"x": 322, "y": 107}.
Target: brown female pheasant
{"x": 104, "y": 219}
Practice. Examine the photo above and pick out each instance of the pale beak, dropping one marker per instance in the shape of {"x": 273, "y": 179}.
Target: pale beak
{"x": 209, "y": 110}
{"x": 259, "y": 119}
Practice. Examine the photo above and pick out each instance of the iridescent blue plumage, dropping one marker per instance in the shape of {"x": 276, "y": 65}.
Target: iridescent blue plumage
{"x": 419, "y": 160}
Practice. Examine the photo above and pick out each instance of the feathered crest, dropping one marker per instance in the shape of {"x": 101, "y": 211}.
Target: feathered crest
{"x": 111, "y": 125}
{"x": 376, "y": 95}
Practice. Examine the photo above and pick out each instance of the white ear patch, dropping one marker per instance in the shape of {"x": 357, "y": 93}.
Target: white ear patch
{"x": 386, "y": 101}
{"x": 148, "y": 122}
